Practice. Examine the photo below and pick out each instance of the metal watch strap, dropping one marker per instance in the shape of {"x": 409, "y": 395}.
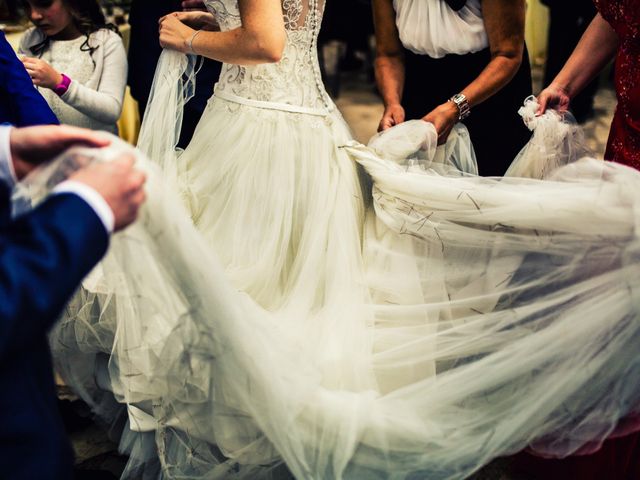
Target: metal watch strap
{"x": 460, "y": 100}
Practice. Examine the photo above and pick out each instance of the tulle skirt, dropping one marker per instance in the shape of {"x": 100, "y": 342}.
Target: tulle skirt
{"x": 270, "y": 307}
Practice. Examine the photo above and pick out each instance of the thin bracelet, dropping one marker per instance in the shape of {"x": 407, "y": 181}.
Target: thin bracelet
{"x": 190, "y": 42}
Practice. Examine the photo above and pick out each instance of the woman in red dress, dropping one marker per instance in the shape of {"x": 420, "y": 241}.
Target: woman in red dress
{"x": 615, "y": 31}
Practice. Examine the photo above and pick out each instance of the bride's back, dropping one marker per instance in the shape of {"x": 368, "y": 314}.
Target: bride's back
{"x": 295, "y": 80}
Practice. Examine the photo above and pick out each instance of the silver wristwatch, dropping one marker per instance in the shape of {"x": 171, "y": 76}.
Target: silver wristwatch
{"x": 460, "y": 100}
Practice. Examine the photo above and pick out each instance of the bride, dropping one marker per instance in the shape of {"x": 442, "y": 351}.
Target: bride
{"x": 271, "y": 307}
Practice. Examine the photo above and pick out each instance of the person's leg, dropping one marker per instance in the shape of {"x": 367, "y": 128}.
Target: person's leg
{"x": 142, "y": 105}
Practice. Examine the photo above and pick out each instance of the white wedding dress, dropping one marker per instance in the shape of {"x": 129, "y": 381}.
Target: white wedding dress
{"x": 270, "y": 307}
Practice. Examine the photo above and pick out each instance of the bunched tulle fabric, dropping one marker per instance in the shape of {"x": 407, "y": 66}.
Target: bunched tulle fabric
{"x": 414, "y": 332}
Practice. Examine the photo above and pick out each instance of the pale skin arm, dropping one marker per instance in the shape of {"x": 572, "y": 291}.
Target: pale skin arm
{"x": 596, "y": 48}
{"x": 260, "y": 39}
{"x": 389, "y": 63}
{"x": 504, "y": 23}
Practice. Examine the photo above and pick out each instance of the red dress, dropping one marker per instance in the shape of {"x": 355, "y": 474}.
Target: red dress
{"x": 624, "y": 139}
{"x": 618, "y": 458}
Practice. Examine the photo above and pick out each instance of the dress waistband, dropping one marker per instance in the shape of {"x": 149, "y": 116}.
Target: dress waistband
{"x": 284, "y": 107}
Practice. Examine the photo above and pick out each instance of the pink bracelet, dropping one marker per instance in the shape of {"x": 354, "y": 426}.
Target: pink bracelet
{"x": 63, "y": 86}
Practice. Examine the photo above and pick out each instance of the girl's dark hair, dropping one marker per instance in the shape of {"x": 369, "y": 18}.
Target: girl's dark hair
{"x": 87, "y": 17}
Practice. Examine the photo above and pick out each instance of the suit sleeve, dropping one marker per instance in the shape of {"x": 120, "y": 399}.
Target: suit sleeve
{"x": 44, "y": 256}
{"x": 28, "y": 106}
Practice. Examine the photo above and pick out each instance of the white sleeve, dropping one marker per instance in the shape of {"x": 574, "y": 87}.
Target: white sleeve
{"x": 105, "y": 103}
{"x": 93, "y": 198}
{"x": 7, "y": 172}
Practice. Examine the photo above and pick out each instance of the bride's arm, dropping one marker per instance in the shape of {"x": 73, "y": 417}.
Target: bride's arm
{"x": 260, "y": 39}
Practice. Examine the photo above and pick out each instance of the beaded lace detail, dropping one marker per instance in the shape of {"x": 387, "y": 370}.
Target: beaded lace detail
{"x": 295, "y": 79}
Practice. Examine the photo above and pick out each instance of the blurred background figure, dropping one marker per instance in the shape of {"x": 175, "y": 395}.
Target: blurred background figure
{"x": 144, "y": 51}
{"x": 350, "y": 23}
{"x": 567, "y": 23}
{"x": 10, "y": 10}
{"x": 77, "y": 61}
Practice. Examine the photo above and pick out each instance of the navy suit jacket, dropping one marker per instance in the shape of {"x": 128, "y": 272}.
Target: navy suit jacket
{"x": 20, "y": 103}
{"x": 43, "y": 257}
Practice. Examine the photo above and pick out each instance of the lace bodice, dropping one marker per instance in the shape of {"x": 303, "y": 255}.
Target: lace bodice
{"x": 295, "y": 80}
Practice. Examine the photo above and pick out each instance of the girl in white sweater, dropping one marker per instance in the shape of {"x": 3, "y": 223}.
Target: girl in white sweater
{"x": 77, "y": 61}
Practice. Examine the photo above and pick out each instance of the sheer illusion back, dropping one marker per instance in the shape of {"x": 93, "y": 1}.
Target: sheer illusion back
{"x": 295, "y": 80}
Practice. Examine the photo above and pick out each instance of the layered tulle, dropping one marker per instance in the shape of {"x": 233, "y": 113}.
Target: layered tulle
{"x": 265, "y": 311}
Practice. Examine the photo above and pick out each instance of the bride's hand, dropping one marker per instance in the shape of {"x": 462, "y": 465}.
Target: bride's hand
{"x": 393, "y": 115}
{"x": 443, "y": 118}
{"x": 174, "y": 34}
{"x": 554, "y": 96}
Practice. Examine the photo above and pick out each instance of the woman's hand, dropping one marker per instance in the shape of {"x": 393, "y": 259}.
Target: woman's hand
{"x": 554, "y": 96}
{"x": 174, "y": 34}
{"x": 42, "y": 74}
{"x": 199, "y": 20}
{"x": 393, "y": 115}
{"x": 443, "y": 118}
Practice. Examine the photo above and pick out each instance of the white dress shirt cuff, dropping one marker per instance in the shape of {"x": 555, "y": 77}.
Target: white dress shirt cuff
{"x": 7, "y": 172}
{"x": 93, "y": 198}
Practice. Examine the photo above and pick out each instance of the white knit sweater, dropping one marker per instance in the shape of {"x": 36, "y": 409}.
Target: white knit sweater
{"x": 98, "y": 80}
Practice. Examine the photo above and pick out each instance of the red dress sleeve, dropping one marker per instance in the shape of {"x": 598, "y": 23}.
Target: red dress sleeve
{"x": 624, "y": 139}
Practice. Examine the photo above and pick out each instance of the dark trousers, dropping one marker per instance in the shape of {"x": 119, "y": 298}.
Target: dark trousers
{"x": 496, "y": 129}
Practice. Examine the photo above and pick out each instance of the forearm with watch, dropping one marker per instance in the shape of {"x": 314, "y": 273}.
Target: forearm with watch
{"x": 504, "y": 24}
{"x": 496, "y": 75}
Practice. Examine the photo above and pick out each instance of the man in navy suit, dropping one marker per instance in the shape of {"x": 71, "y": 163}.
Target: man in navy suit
{"x": 20, "y": 103}
{"x": 44, "y": 255}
